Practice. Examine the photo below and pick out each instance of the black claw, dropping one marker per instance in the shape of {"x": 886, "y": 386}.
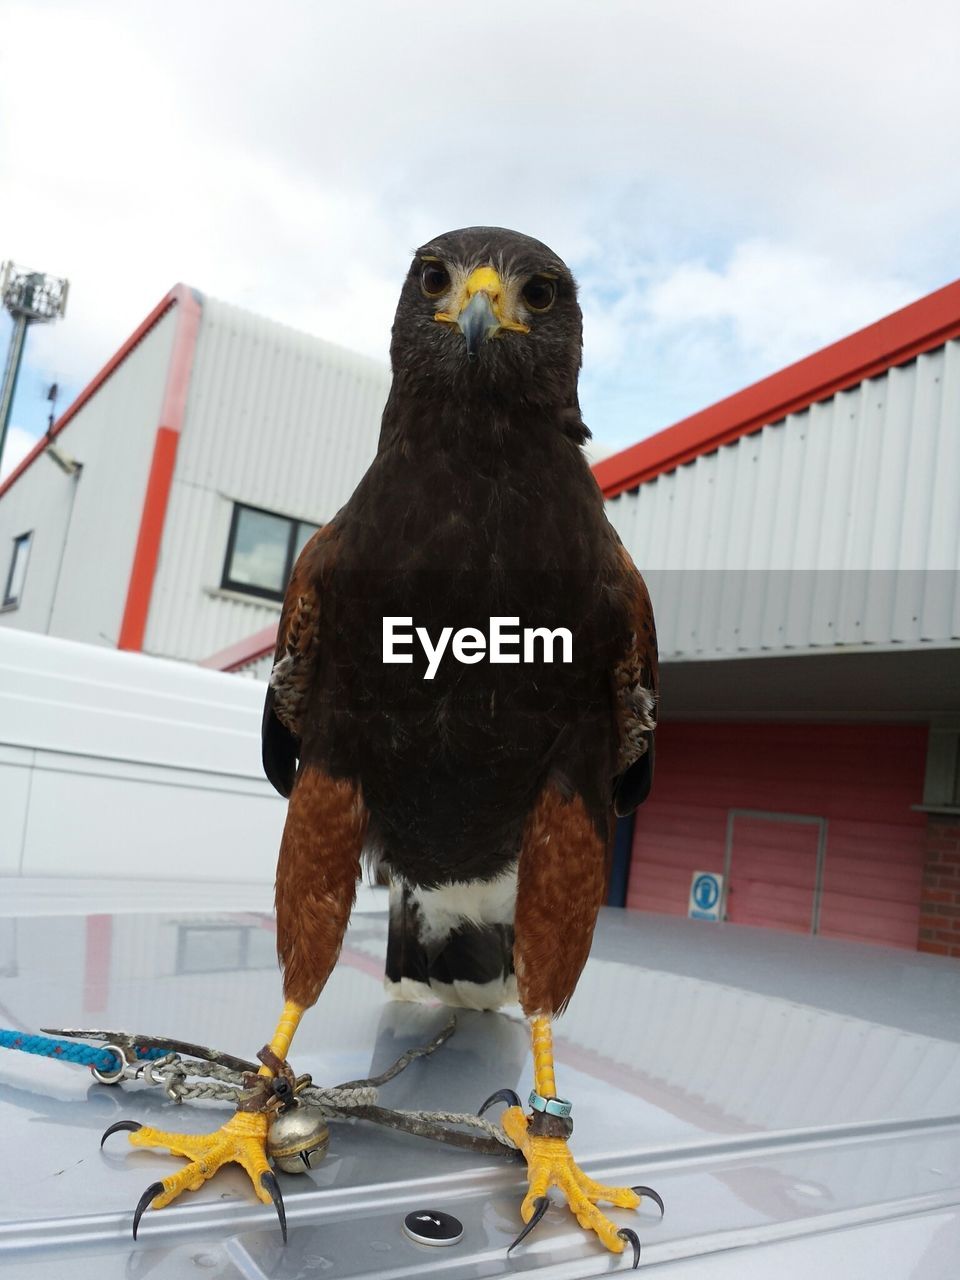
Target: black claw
{"x": 631, "y": 1237}
{"x": 649, "y": 1191}
{"x": 269, "y": 1181}
{"x": 502, "y": 1095}
{"x": 305, "y": 1157}
{"x": 150, "y": 1194}
{"x": 541, "y": 1205}
{"x": 131, "y": 1125}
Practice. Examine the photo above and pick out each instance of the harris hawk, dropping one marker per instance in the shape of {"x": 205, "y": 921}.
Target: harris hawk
{"x": 485, "y": 782}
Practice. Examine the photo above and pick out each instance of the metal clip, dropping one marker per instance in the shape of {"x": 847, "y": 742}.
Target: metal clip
{"x": 128, "y": 1069}
{"x": 156, "y": 1071}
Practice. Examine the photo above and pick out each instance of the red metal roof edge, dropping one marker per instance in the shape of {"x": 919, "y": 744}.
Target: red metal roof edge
{"x": 896, "y": 338}
{"x": 153, "y": 515}
{"x": 146, "y": 551}
{"x": 178, "y": 294}
{"x": 243, "y": 651}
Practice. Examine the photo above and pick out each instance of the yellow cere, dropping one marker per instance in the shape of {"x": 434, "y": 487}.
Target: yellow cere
{"x": 484, "y": 280}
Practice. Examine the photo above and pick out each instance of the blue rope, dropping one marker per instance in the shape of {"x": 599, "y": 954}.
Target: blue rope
{"x": 84, "y": 1055}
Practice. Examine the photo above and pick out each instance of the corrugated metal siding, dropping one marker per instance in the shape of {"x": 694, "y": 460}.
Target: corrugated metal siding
{"x": 276, "y": 419}
{"x": 839, "y": 525}
{"x": 861, "y": 779}
{"x": 91, "y": 520}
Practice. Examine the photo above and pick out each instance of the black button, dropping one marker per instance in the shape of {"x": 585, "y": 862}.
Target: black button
{"x": 433, "y": 1226}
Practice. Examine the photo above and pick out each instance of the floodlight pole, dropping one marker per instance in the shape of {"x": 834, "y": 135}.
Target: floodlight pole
{"x": 10, "y": 374}
{"x": 30, "y": 297}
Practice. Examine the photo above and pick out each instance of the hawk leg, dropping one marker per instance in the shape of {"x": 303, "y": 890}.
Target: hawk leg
{"x": 562, "y": 877}
{"x": 316, "y": 883}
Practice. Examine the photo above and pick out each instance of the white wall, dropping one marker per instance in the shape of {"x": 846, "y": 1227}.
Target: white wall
{"x": 276, "y": 419}
{"x": 116, "y": 764}
{"x": 85, "y": 526}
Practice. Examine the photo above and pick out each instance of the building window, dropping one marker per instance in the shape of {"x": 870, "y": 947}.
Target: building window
{"x": 18, "y": 570}
{"x": 262, "y": 550}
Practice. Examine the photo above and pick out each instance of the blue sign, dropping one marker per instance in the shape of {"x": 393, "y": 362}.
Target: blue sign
{"x": 706, "y": 890}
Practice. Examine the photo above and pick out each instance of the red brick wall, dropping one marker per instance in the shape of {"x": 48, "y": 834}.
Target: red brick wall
{"x": 940, "y": 896}
{"x": 862, "y": 778}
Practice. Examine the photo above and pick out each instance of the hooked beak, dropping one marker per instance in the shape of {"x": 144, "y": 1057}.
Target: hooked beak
{"x": 477, "y": 321}
{"x": 480, "y": 312}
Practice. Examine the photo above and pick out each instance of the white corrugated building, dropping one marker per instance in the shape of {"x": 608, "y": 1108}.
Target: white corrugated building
{"x": 164, "y": 510}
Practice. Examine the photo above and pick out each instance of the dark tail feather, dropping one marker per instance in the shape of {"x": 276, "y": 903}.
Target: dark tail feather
{"x": 406, "y": 956}
{"x": 470, "y": 966}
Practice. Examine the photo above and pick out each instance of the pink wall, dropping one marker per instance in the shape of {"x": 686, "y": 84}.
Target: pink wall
{"x": 861, "y": 778}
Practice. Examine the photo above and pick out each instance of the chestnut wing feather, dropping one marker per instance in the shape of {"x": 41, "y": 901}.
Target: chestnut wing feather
{"x": 636, "y": 687}
{"x": 294, "y": 659}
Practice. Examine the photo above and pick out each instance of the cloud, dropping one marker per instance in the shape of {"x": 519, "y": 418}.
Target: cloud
{"x": 776, "y": 302}
{"x": 752, "y": 163}
{"x": 18, "y": 444}
{"x": 675, "y": 337}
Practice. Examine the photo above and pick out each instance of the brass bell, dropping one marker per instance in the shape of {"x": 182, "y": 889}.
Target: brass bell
{"x": 297, "y": 1138}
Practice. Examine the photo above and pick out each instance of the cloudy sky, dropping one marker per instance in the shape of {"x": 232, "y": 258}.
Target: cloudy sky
{"x": 733, "y": 184}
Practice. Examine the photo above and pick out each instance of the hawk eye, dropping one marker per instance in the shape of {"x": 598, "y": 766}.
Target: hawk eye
{"x": 539, "y": 293}
{"x": 434, "y": 278}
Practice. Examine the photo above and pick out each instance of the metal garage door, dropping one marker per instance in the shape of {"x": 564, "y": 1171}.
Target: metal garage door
{"x": 774, "y": 869}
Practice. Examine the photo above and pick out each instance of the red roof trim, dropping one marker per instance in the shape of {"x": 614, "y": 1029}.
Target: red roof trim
{"x": 895, "y": 339}
{"x": 177, "y": 294}
{"x": 149, "y": 537}
{"x": 244, "y": 651}
{"x": 160, "y": 480}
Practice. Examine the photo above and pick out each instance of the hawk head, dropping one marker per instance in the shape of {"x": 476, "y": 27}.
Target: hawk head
{"x": 488, "y": 314}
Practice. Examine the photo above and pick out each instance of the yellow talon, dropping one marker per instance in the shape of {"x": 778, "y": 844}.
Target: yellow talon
{"x": 242, "y": 1140}
{"x": 550, "y": 1163}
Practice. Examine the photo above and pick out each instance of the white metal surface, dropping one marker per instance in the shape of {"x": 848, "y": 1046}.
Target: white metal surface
{"x": 794, "y": 1100}
{"x": 85, "y": 526}
{"x": 117, "y": 764}
{"x": 276, "y": 419}
{"x": 839, "y": 525}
